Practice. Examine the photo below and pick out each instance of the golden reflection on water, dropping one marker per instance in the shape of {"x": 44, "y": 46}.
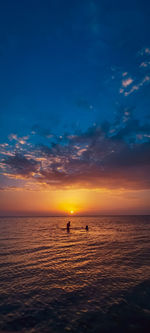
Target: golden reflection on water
{"x": 41, "y": 262}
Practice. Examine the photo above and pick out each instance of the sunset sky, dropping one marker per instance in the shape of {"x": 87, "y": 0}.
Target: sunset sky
{"x": 74, "y": 107}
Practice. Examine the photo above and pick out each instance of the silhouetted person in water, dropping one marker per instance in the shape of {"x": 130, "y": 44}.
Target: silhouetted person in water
{"x": 86, "y": 228}
{"x": 68, "y": 226}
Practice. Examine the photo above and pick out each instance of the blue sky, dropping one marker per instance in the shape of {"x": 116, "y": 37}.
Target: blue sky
{"x": 62, "y": 62}
{"x": 75, "y": 77}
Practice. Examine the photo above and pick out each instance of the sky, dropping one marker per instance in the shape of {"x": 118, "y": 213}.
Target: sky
{"x": 74, "y": 107}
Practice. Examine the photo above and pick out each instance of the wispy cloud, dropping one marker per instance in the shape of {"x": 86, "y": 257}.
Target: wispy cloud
{"x": 145, "y": 64}
{"x": 127, "y": 82}
{"x": 22, "y": 140}
{"x": 146, "y": 79}
{"x": 144, "y": 51}
{"x": 130, "y": 85}
{"x": 124, "y": 74}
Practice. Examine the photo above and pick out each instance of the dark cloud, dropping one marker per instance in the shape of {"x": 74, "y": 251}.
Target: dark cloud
{"x": 128, "y": 156}
{"x": 21, "y": 165}
{"x": 113, "y": 155}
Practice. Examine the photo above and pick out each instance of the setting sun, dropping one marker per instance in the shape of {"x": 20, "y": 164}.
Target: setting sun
{"x": 72, "y": 212}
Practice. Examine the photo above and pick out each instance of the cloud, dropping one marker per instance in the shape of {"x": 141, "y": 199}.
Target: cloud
{"x": 22, "y": 140}
{"x": 128, "y": 85}
{"x": 21, "y": 165}
{"x": 144, "y": 51}
{"x": 146, "y": 79}
{"x": 108, "y": 155}
{"x": 127, "y": 82}
{"x": 145, "y": 64}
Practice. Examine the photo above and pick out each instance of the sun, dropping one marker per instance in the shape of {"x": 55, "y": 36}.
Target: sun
{"x": 72, "y": 212}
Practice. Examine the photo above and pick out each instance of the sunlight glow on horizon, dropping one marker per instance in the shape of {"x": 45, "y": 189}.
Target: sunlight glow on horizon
{"x": 73, "y": 202}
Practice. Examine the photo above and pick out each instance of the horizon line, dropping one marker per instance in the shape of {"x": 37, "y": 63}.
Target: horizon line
{"x": 70, "y": 216}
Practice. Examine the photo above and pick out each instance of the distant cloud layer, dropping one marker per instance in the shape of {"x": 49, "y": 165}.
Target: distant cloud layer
{"x": 110, "y": 155}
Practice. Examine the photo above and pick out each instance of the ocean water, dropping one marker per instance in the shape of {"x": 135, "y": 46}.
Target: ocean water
{"x": 81, "y": 281}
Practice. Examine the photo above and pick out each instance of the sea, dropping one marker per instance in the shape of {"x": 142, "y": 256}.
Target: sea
{"x": 52, "y": 280}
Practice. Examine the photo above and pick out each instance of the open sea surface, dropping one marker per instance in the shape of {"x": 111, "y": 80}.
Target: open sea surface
{"x": 81, "y": 281}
